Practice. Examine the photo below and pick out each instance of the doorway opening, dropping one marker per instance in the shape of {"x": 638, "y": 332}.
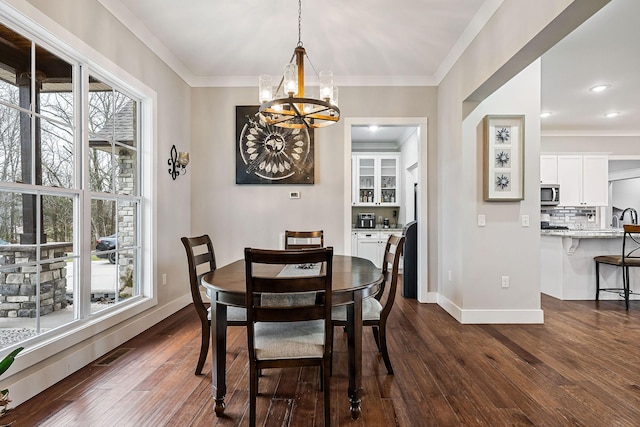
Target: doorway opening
{"x": 401, "y": 142}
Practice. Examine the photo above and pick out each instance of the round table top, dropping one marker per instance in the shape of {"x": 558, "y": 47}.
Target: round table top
{"x": 349, "y": 274}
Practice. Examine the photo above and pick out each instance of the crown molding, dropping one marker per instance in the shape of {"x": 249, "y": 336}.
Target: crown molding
{"x": 122, "y": 13}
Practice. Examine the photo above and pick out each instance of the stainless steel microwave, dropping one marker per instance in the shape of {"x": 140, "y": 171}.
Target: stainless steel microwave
{"x": 549, "y": 194}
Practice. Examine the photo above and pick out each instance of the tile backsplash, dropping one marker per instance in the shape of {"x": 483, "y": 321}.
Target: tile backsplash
{"x": 574, "y": 218}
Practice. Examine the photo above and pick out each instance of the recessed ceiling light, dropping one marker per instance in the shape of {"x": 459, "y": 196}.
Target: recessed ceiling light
{"x": 599, "y": 88}
{"x": 373, "y": 128}
{"x": 612, "y": 114}
{"x": 545, "y": 114}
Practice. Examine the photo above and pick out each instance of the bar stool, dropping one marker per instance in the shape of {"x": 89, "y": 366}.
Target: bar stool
{"x": 630, "y": 257}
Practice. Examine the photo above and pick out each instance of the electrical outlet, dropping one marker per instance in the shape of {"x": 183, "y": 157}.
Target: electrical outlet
{"x": 164, "y": 279}
{"x": 482, "y": 220}
{"x": 525, "y": 220}
{"x": 505, "y": 281}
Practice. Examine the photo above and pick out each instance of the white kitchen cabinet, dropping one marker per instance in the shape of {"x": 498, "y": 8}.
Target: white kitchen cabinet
{"x": 368, "y": 246}
{"x": 548, "y": 169}
{"x": 583, "y": 180}
{"x": 570, "y": 180}
{"x": 595, "y": 180}
{"x": 371, "y": 245}
{"x": 376, "y": 179}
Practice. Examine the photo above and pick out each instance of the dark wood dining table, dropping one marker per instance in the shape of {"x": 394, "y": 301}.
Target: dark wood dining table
{"x": 353, "y": 280}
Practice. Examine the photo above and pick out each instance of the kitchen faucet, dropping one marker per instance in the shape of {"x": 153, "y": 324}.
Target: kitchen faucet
{"x": 632, "y": 212}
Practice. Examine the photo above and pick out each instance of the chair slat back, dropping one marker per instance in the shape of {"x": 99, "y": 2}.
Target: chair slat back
{"x": 314, "y": 239}
{"x": 631, "y": 243}
{"x": 201, "y": 259}
{"x": 296, "y": 310}
{"x": 390, "y": 265}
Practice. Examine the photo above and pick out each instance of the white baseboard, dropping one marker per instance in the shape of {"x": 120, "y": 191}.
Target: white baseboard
{"x": 473, "y": 317}
{"x": 432, "y": 297}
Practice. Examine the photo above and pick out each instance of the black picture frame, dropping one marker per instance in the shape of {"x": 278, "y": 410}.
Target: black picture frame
{"x": 271, "y": 155}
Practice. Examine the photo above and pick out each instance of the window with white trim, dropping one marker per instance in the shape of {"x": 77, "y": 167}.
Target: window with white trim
{"x": 70, "y": 196}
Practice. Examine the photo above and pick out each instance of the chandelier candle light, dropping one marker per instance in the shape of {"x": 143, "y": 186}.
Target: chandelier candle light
{"x": 290, "y": 109}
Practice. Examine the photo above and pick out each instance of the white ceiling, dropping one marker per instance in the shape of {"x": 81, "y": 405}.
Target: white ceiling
{"x": 231, "y": 43}
{"x": 377, "y": 42}
{"x": 386, "y": 137}
{"x": 603, "y": 50}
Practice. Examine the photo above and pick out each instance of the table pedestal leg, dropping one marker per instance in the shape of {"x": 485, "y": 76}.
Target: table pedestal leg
{"x": 218, "y": 355}
{"x": 354, "y": 338}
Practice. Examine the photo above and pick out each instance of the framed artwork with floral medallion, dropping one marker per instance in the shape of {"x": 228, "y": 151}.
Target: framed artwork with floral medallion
{"x": 271, "y": 155}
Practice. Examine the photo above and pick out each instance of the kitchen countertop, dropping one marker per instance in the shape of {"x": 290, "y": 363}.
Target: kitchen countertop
{"x": 377, "y": 229}
{"x": 609, "y": 233}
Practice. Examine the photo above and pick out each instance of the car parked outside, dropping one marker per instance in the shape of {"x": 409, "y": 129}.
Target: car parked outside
{"x": 106, "y": 243}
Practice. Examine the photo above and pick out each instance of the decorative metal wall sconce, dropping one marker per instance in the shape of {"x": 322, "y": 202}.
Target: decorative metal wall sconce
{"x": 178, "y": 162}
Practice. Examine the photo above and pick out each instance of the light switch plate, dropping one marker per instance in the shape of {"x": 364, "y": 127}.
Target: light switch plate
{"x": 525, "y": 220}
{"x": 505, "y": 281}
{"x": 482, "y": 220}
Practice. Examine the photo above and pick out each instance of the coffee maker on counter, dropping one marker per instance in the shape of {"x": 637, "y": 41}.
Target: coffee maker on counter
{"x": 366, "y": 220}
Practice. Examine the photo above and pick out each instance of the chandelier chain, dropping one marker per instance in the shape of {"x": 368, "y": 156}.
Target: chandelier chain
{"x": 299, "y": 23}
{"x": 300, "y": 37}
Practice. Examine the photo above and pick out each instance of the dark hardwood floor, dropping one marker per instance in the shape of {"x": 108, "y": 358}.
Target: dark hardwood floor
{"x": 581, "y": 368}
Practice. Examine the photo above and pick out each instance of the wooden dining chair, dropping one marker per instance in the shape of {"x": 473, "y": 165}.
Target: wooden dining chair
{"x": 314, "y": 239}
{"x": 375, "y": 310}
{"x": 294, "y": 334}
{"x": 629, "y": 257}
{"x": 201, "y": 259}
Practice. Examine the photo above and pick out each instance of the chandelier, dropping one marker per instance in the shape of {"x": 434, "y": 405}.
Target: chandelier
{"x": 288, "y": 107}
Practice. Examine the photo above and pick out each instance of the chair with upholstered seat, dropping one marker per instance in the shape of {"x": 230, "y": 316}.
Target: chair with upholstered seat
{"x": 296, "y": 333}
{"x": 375, "y": 310}
{"x": 201, "y": 259}
{"x": 630, "y": 257}
{"x": 313, "y": 239}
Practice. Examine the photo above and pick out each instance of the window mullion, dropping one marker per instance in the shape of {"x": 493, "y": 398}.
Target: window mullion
{"x": 82, "y": 289}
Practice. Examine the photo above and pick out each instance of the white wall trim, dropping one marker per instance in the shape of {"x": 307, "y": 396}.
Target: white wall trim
{"x": 473, "y": 317}
{"x": 431, "y": 297}
{"x": 450, "y": 307}
{"x": 502, "y": 316}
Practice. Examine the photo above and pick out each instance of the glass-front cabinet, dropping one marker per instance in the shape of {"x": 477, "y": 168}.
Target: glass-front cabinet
{"x": 376, "y": 179}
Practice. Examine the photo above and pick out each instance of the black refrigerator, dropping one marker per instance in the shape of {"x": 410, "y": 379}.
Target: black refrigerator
{"x": 410, "y": 263}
